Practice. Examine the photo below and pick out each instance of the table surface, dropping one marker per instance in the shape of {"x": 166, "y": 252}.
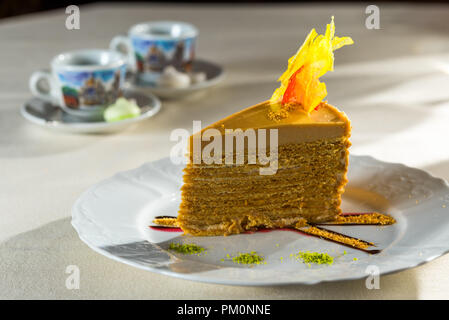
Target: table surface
{"x": 393, "y": 84}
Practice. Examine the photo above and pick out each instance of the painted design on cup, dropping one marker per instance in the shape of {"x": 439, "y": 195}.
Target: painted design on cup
{"x": 152, "y": 46}
{"x": 81, "y": 89}
{"x": 155, "y": 55}
{"x": 83, "y": 82}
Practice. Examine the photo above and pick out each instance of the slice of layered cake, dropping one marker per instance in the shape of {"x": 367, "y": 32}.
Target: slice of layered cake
{"x": 279, "y": 163}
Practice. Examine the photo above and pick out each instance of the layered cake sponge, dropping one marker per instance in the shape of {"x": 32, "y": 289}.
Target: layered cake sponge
{"x": 312, "y": 160}
{"x": 308, "y": 155}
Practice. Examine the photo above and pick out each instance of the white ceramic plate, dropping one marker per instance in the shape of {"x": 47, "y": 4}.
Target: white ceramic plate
{"x": 214, "y": 74}
{"x": 113, "y": 216}
{"x": 52, "y": 117}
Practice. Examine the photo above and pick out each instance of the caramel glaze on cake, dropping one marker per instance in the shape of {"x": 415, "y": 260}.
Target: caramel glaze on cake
{"x": 223, "y": 199}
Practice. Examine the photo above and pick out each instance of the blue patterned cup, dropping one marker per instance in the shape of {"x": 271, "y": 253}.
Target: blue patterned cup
{"x": 82, "y": 82}
{"x": 153, "y": 46}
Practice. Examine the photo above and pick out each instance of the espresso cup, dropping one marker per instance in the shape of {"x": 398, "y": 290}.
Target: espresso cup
{"x": 83, "y": 83}
{"x": 153, "y": 46}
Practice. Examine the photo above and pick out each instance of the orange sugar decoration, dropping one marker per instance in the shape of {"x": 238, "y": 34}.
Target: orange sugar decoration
{"x": 300, "y": 85}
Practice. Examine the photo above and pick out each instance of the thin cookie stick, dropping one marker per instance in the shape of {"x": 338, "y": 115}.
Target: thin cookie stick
{"x": 337, "y": 237}
{"x": 373, "y": 218}
{"x": 166, "y": 221}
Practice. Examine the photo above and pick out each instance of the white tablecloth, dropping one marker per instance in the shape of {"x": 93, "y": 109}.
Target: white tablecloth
{"x": 393, "y": 83}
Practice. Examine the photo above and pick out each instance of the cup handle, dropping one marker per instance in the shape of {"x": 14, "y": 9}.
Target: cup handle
{"x": 122, "y": 44}
{"x": 37, "y": 90}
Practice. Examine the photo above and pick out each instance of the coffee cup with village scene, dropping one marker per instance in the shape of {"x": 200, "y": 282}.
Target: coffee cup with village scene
{"x": 83, "y": 83}
{"x": 153, "y": 46}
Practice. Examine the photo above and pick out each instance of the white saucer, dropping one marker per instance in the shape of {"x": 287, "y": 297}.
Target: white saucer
{"x": 113, "y": 216}
{"x": 214, "y": 74}
{"x": 52, "y": 117}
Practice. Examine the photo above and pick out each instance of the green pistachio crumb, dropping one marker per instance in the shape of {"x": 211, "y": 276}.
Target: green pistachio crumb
{"x": 186, "y": 248}
{"x": 248, "y": 258}
{"x": 315, "y": 257}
